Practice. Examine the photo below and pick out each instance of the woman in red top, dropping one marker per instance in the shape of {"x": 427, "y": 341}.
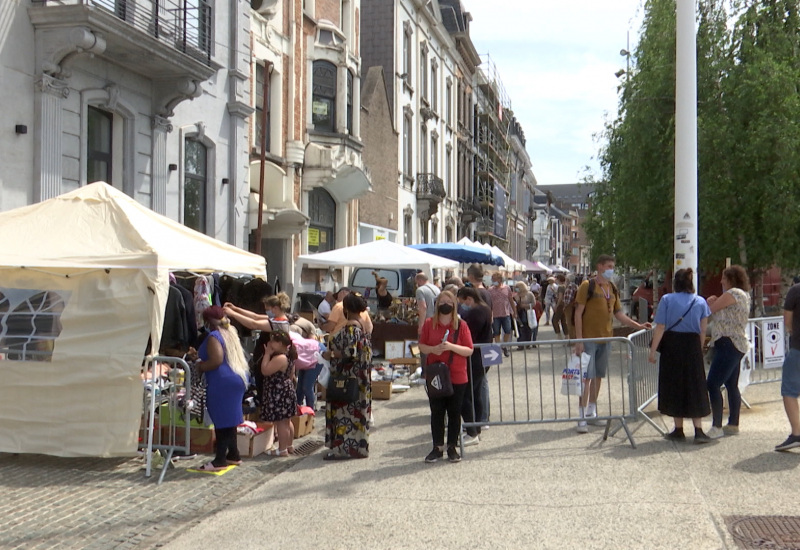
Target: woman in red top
{"x": 444, "y": 338}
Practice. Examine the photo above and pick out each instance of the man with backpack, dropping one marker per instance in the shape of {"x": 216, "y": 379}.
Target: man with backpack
{"x": 597, "y": 304}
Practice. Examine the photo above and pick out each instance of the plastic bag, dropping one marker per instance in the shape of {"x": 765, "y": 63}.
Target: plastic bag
{"x": 533, "y": 322}
{"x": 573, "y": 374}
{"x": 744, "y": 373}
{"x": 325, "y": 373}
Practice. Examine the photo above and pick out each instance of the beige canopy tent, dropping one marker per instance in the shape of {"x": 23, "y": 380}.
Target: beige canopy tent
{"x": 84, "y": 279}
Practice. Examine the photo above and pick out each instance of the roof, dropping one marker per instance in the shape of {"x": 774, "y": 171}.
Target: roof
{"x": 572, "y": 193}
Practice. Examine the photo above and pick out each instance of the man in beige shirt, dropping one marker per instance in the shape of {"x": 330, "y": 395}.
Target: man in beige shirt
{"x": 337, "y": 319}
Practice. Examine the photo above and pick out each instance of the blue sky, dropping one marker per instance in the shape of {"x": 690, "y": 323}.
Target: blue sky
{"x": 557, "y": 60}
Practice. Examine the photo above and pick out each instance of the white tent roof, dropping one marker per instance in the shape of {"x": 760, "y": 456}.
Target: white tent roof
{"x": 97, "y": 226}
{"x": 381, "y": 253}
{"x": 510, "y": 263}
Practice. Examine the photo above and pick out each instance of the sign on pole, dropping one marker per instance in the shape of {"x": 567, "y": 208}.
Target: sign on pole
{"x": 492, "y": 355}
{"x": 772, "y": 342}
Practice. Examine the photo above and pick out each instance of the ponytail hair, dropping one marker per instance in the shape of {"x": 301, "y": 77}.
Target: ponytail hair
{"x": 283, "y": 338}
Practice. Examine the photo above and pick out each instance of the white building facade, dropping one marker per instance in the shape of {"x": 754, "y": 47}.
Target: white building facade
{"x": 153, "y": 101}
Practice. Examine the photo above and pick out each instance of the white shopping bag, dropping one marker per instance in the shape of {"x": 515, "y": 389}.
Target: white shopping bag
{"x": 744, "y": 373}
{"x": 573, "y": 374}
{"x": 533, "y": 322}
{"x": 325, "y": 373}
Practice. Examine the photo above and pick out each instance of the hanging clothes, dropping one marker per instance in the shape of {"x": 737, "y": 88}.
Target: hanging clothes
{"x": 202, "y": 294}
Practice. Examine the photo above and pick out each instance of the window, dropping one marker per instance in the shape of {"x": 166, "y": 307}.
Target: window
{"x": 434, "y": 86}
{"x": 434, "y": 155}
{"x": 259, "y": 95}
{"x": 195, "y": 185}
{"x": 322, "y": 223}
{"x": 448, "y": 171}
{"x": 423, "y": 71}
{"x": 408, "y": 151}
{"x": 350, "y": 103}
{"x": 423, "y": 150}
{"x": 448, "y": 234}
{"x": 99, "y": 146}
{"x": 30, "y": 322}
{"x": 448, "y": 107}
{"x": 434, "y": 231}
{"x": 323, "y": 103}
{"x": 407, "y": 230}
{"x": 407, "y": 51}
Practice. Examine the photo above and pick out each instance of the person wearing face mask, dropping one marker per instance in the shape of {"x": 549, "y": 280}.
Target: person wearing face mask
{"x": 445, "y": 339}
{"x": 594, "y": 315}
{"x": 274, "y": 319}
{"x": 224, "y": 365}
{"x": 478, "y": 317}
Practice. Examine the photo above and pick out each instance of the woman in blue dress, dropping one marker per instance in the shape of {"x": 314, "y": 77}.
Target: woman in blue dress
{"x": 223, "y": 363}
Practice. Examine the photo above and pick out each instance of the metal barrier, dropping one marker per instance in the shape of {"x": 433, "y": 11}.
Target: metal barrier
{"x": 174, "y": 392}
{"x": 645, "y": 374}
{"x": 526, "y": 387}
{"x": 763, "y": 371}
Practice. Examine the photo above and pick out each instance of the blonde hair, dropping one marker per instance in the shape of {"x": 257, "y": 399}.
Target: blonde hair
{"x": 446, "y": 294}
{"x": 233, "y": 350}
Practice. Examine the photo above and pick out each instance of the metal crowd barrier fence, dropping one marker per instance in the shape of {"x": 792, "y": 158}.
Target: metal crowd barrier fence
{"x": 170, "y": 394}
{"x": 763, "y": 362}
{"x": 764, "y": 333}
{"x": 526, "y": 388}
{"x": 644, "y": 376}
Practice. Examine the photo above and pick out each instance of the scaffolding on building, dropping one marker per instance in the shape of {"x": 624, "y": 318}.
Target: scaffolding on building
{"x": 493, "y": 116}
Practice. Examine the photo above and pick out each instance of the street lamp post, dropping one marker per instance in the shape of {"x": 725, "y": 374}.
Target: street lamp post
{"x": 685, "y": 216}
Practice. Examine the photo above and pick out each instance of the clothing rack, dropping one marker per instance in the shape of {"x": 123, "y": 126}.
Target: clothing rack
{"x": 175, "y": 393}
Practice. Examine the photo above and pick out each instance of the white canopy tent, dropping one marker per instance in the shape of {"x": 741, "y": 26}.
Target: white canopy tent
{"x": 84, "y": 279}
{"x": 376, "y": 254}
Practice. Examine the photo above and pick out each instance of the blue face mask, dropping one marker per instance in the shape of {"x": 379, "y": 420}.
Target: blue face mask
{"x": 608, "y": 274}
{"x": 465, "y": 307}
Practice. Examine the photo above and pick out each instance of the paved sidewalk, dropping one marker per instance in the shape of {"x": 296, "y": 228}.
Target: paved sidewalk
{"x": 522, "y": 487}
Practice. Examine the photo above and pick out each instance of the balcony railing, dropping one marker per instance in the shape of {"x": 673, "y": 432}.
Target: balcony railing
{"x": 186, "y": 25}
{"x": 430, "y": 185}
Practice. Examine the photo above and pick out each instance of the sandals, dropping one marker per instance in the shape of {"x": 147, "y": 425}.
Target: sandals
{"x": 209, "y": 467}
{"x": 277, "y": 452}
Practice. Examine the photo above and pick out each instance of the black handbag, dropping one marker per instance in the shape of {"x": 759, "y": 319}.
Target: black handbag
{"x": 437, "y": 377}
{"x": 342, "y": 388}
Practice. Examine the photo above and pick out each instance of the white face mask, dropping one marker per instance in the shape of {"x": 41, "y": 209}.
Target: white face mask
{"x": 608, "y": 274}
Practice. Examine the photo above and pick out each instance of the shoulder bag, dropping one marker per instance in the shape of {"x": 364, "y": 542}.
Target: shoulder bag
{"x": 342, "y": 388}
{"x": 437, "y": 376}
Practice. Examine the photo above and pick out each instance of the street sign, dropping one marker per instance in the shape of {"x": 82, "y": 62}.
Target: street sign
{"x": 772, "y": 340}
{"x": 492, "y": 355}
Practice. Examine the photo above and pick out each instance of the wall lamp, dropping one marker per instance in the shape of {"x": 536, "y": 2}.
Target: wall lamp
{"x": 21, "y": 129}
{"x": 225, "y": 181}
{"x": 172, "y": 167}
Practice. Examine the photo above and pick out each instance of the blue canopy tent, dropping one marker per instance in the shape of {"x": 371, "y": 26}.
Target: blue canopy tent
{"x": 462, "y": 253}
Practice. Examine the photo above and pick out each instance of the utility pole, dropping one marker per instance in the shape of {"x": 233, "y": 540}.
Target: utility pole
{"x": 686, "y": 252}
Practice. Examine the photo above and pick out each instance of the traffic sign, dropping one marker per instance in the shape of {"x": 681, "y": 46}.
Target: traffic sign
{"x": 492, "y": 355}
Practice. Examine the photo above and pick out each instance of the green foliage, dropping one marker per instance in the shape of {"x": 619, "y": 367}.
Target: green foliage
{"x": 748, "y": 140}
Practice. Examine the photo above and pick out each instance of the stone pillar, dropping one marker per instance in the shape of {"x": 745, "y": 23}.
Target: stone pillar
{"x": 160, "y": 174}
{"x": 357, "y": 107}
{"x": 48, "y": 160}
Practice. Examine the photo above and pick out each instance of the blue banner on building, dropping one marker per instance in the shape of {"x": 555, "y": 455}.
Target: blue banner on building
{"x": 500, "y": 207}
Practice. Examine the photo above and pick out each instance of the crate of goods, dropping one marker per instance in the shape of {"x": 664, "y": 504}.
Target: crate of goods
{"x": 251, "y": 445}
{"x": 303, "y": 425}
{"x": 381, "y": 389}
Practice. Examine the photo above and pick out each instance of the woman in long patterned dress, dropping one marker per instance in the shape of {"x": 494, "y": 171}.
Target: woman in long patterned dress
{"x": 350, "y": 353}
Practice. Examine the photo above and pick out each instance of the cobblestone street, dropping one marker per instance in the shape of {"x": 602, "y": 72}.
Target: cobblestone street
{"x": 93, "y": 503}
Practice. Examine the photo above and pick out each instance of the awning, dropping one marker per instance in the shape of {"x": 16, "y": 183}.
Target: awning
{"x": 463, "y": 253}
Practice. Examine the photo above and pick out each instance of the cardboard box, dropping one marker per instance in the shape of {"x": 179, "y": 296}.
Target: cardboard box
{"x": 251, "y": 445}
{"x": 322, "y": 392}
{"x": 303, "y": 425}
{"x": 381, "y": 389}
{"x": 201, "y": 440}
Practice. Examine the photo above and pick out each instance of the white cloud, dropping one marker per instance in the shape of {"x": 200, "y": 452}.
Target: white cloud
{"x": 557, "y": 61}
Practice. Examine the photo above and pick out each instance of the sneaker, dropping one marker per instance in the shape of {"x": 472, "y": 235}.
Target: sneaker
{"x": 791, "y": 442}
{"x": 505, "y": 352}
{"x": 700, "y": 438}
{"x": 452, "y": 455}
{"x": 469, "y": 440}
{"x": 582, "y": 427}
{"x": 434, "y": 455}
{"x": 730, "y": 429}
{"x": 715, "y": 433}
{"x": 676, "y": 435}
